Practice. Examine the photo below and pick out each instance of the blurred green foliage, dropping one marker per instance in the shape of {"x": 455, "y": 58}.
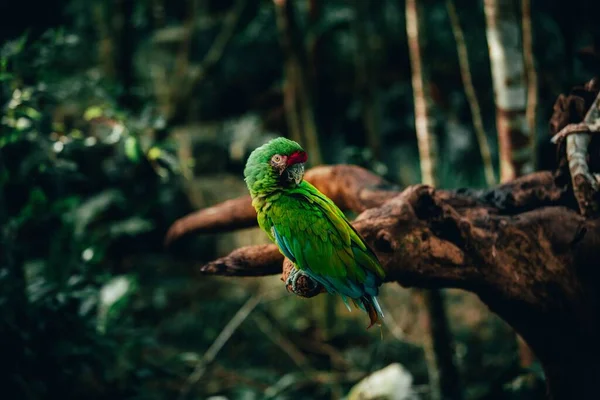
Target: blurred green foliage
{"x": 92, "y": 156}
{"x": 79, "y": 196}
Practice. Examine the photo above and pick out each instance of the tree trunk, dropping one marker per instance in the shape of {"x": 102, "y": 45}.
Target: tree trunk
{"x": 526, "y": 356}
{"x": 465, "y": 73}
{"x": 125, "y": 32}
{"x": 299, "y": 108}
{"x": 508, "y": 73}
{"x": 424, "y": 118}
{"x": 106, "y": 39}
{"x": 186, "y": 77}
{"x": 297, "y": 80}
{"x": 314, "y": 41}
{"x": 439, "y": 349}
{"x": 515, "y": 90}
{"x": 531, "y": 74}
{"x": 366, "y": 84}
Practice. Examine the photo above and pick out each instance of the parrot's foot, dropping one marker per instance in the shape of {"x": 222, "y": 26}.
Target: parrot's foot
{"x": 295, "y": 274}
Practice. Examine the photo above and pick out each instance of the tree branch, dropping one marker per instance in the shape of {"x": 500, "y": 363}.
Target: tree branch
{"x": 520, "y": 246}
{"x": 247, "y": 261}
{"x": 574, "y": 138}
{"x": 350, "y": 187}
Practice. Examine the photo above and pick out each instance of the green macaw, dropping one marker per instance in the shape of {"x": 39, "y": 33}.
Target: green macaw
{"x": 309, "y": 229}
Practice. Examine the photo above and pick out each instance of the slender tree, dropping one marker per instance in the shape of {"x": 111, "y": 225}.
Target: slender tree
{"x": 465, "y": 73}
{"x": 300, "y": 68}
{"x": 187, "y": 76}
{"x": 443, "y": 374}
{"x": 508, "y": 74}
{"x": 366, "y": 85}
{"x": 515, "y": 88}
{"x": 299, "y": 97}
{"x": 424, "y": 120}
{"x": 528, "y": 58}
{"x": 526, "y": 355}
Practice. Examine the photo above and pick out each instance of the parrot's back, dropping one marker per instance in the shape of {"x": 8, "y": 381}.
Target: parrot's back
{"x": 313, "y": 233}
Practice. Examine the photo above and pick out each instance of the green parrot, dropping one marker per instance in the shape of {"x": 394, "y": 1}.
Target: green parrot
{"x": 309, "y": 229}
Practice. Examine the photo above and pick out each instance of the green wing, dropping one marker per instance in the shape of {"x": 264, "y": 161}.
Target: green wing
{"x": 313, "y": 232}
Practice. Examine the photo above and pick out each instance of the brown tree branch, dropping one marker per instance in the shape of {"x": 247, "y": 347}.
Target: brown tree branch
{"x": 258, "y": 260}
{"x": 350, "y": 187}
{"x": 230, "y": 215}
{"x": 522, "y": 247}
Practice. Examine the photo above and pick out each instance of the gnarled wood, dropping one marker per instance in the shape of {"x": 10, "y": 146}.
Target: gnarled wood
{"x": 350, "y": 187}
{"x": 574, "y": 137}
{"x": 522, "y": 247}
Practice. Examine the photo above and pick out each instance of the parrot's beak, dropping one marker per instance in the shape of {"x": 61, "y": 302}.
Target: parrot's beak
{"x": 295, "y": 173}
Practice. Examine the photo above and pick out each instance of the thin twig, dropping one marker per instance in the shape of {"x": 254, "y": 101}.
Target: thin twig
{"x": 215, "y": 53}
{"x": 321, "y": 378}
{"x": 187, "y": 76}
{"x": 288, "y": 347}
{"x": 393, "y": 326}
{"x": 234, "y": 378}
{"x": 182, "y": 61}
{"x": 337, "y": 359}
{"x": 219, "y": 342}
{"x": 465, "y": 73}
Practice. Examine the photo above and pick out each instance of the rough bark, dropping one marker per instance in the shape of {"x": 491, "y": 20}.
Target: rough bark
{"x": 574, "y": 138}
{"x": 508, "y": 73}
{"x": 522, "y": 247}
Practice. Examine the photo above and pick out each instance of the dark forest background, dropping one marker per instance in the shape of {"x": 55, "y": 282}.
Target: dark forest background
{"x": 120, "y": 116}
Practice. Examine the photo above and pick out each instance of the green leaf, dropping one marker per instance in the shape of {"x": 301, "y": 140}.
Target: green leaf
{"x": 131, "y": 226}
{"x": 133, "y": 151}
{"x": 32, "y": 113}
{"x": 4, "y": 176}
{"x": 89, "y": 210}
{"x": 114, "y": 296}
{"x": 93, "y": 112}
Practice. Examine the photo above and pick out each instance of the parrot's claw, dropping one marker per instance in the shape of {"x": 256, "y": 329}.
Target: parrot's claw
{"x": 292, "y": 278}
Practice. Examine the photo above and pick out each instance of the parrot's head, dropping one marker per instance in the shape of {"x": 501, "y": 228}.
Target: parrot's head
{"x": 278, "y": 163}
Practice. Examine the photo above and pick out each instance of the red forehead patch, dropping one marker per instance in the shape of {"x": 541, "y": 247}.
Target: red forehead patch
{"x": 297, "y": 157}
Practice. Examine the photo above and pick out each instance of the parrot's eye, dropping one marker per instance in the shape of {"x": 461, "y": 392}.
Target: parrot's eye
{"x": 276, "y": 159}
